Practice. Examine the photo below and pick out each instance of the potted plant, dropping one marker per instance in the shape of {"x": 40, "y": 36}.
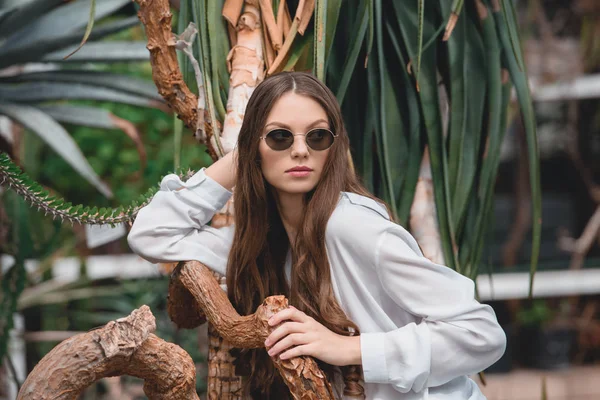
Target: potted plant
{"x": 545, "y": 335}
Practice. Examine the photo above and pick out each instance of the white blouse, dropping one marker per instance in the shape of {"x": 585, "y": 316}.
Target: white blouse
{"x": 422, "y": 331}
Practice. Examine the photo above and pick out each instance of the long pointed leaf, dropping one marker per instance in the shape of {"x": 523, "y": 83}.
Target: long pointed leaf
{"x": 63, "y": 20}
{"x": 56, "y": 137}
{"x": 46, "y": 91}
{"x": 96, "y": 118}
{"x": 415, "y": 146}
{"x": 468, "y": 154}
{"x": 34, "y": 51}
{"x": 198, "y": 12}
{"x": 120, "y": 82}
{"x": 355, "y": 46}
{"x": 102, "y": 52}
{"x": 457, "y": 94}
{"x": 407, "y": 16}
{"x": 88, "y": 29}
{"x": 519, "y": 78}
{"x": 23, "y": 13}
{"x": 382, "y": 109}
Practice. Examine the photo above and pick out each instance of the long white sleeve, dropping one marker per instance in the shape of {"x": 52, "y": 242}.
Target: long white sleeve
{"x": 172, "y": 227}
{"x": 454, "y": 334}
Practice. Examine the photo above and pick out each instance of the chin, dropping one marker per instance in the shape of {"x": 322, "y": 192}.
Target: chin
{"x": 296, "y": 187}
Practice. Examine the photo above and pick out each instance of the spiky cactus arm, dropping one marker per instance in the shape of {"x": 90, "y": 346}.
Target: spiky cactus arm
{"x": 32, "y": 192}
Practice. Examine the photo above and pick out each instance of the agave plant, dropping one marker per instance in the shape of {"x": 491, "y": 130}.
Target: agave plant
{"x": 37, "y": 82}
{"x": 424, "y": 87}
{"x": 37, "y": 85}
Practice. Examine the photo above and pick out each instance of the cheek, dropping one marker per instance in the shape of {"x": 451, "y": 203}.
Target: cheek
{"x": 321, "y": 158}
{"x": 268, "y": 162}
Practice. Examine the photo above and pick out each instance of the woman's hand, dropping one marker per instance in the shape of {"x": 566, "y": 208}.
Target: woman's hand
{"x": 310, "y": 338}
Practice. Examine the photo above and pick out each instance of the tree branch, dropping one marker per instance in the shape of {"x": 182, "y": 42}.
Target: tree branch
{"x": 301, "y": 374}
{"x": 156, "y": 17}
{"x": 122, "y": 347}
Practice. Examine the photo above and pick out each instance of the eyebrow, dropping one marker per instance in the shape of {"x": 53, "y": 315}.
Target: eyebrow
{"x": 281, "y": 124}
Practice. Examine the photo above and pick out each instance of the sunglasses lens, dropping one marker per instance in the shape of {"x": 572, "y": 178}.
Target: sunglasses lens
{"x": 319, "y": 139}
{"x": 279, "y": 139}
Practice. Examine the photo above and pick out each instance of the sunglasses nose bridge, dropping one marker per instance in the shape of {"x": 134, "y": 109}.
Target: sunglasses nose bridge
{"x": 299, "y": 141}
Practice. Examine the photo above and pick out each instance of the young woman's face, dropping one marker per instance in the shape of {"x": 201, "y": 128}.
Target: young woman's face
{"x": 299, "y": 114}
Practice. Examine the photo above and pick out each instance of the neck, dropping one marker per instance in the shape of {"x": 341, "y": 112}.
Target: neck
{"x": 291, "y": 208}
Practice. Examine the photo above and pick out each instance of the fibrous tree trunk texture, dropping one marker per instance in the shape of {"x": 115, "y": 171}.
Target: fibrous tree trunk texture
{"x": 122, "y": 347}
{"x": 246, "y": 65}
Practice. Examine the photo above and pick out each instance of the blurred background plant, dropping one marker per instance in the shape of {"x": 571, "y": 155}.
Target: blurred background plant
{"x": 93, "y": 130}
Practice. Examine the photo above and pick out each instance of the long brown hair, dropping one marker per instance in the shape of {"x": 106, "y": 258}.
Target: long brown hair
{"x": 256, "y": 262}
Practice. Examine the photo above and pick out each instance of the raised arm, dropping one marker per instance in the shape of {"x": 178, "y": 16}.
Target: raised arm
{"x": 173, "y": 226}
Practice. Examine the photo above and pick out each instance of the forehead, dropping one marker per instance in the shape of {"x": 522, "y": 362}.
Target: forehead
{"x": 296, "y": 111}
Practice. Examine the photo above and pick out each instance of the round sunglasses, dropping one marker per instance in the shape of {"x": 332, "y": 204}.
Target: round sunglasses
{"x": 282, "y": 139}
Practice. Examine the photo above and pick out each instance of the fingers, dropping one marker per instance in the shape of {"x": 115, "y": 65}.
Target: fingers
{"x": 284, "y": 330}
{"x": 294, "y": 339}
{"x": 290, "y": 313}
{"x": 304, "y": 350}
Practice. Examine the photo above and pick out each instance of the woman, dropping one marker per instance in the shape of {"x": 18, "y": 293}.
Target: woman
{"x": 364, "y": 297}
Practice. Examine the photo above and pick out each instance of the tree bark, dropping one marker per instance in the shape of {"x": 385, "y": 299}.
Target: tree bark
{"x": 301, "y": 374}
{"x": 122, "y": 347}
{"x": 156, "y": 17}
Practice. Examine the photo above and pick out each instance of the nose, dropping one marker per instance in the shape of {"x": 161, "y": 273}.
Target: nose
{"x": 299, "y": 148}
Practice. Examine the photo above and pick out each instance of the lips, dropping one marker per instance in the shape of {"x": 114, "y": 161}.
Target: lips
{"x": 299, "y": 169}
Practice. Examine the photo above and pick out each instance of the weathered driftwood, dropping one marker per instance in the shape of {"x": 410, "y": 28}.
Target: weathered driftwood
{"x": 122, "y": 347}
{"x": 182, "y": 308}
{"x": 302, "y": 374}
{"x": 184, "y": 311}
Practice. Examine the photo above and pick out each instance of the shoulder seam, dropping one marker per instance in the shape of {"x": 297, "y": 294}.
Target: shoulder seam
{"x": 378, "y": 208}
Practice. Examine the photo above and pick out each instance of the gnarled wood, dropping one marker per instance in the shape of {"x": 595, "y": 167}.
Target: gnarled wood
{"x": 182, "y": 307}
{"x": 156, "y": 17}
{"x": 301, "y": 374}
{"x": 122, "y": 347}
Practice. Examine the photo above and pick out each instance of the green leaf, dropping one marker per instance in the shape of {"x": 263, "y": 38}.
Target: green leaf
{"x": 468, "y": 154}
{"x": 355, "y": 46}
{"x": 518, "y": 75}
{"x": 34, "y": 51}
{"x": 88, "y": 29}
{"x": 47, "y": 91}
{"x": 407, "y": 19}
{"x": 102, "y": 52}
{"x": 21, "y": 14}
{"x": 300, "y": 47}
{"x": 415, "y": 127}
{"x": 199, "y": 14}
{"x": 57, "y": 138}
{"x": 80, "y": 115}
{"x": 120, "y": 82}
{"x": 61, "y": 21}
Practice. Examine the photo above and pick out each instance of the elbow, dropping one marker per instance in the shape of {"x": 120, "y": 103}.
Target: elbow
{"x": 488, "y": 344}
{"x": 142, "y": 244}
{"x": 496, "y": 344}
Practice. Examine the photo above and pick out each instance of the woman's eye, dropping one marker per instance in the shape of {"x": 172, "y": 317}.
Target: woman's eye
{"x": 279, "y": 135}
